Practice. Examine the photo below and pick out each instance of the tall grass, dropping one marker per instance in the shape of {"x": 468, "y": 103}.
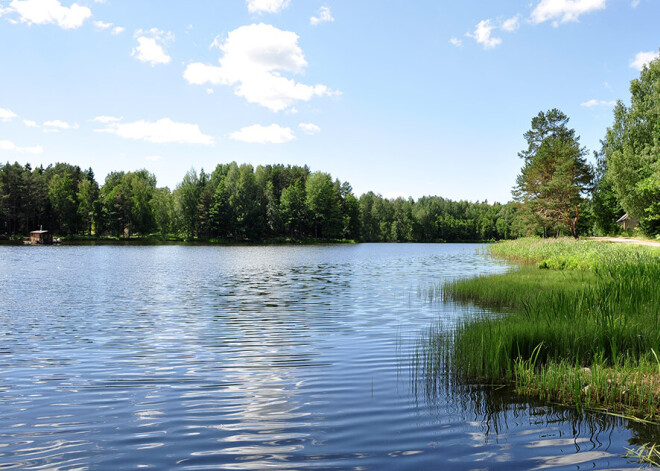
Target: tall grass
{"x": 568, "y": 253}
{"x": 601, "y": 311}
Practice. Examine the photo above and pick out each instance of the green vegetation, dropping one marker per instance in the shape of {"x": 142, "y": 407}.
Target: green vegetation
{"x": 585, "y": 333}
{"x": 632, "y": 150}
{"x": 560, "y": 193}
{"x": 647, "y": 453}
{"x": 234, "y": 203}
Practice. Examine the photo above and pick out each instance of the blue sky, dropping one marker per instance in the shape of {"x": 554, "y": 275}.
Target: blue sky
{"x": 402, "y": 98}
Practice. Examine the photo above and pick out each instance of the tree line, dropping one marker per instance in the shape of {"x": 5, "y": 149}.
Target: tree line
{"x": 234, "y": 203}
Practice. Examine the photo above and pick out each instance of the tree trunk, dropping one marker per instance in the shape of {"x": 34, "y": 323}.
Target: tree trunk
{"x": 574, "y": 223}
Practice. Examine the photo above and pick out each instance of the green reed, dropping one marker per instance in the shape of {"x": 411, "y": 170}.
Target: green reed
{"x": 601, "y": 311}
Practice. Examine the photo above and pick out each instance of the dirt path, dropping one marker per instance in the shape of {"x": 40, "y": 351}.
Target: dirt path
{"x": 626, "y": 240}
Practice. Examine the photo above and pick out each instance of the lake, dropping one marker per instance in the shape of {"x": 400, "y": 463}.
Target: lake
{"x": 275, "y": 357}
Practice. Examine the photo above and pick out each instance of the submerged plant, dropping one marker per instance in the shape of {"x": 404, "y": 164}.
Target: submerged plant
{"x": 647, "y": 453}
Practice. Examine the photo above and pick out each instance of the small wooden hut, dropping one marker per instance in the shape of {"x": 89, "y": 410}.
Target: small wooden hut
{"x": 627, "y": 222}
{"x": 41, "y": 237}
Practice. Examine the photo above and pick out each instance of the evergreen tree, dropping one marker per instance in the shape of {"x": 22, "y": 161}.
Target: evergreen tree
{"x": 555, "y": 174}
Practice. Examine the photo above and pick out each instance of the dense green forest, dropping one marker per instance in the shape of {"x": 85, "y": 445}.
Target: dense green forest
{"x": 234, "y": 203}
{"x": 557, "y": 192}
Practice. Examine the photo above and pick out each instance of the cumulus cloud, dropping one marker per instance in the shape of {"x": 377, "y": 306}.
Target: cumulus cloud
{"x": 563, "y": 11}
{"x": 266, "y": 6}
{"x": 483, "y": 35}
{"x": 58, "y": 124}
{"x": 50, "y": 12}
{"x": 6, "y": 115}
{"x": 151, "y": 46}
{"x": 117, "y": 30}
{"x": 324, "y": 17}
{"x": 162, "y": 131}
{"x": 254, "y": 58}
{"x": 643, "y": 58}
{"x": 10, "y": 146}
{"x": 594, "y": 102}
{"x": 273, "y": 134}
{"x": 309, "y": 128}
{"x": 30, "y": 124}
{"x": 456, "y": 42}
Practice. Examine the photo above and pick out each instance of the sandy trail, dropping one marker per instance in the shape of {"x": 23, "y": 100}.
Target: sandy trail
{"x": 626, "y": 240}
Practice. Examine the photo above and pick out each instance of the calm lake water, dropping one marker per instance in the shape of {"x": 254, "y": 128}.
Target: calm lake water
{"x": 163, "y": 357}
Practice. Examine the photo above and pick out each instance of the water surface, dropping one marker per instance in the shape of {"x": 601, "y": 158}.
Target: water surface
{"x": 163, "y": 357}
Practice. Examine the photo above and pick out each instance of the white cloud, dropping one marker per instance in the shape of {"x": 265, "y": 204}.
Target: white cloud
{"x": 6, "y": 115}
{"x": 106, "y": 119}
{"x": 10, "y": 146}
{"x": 594, "y": 102}
{"x": 151, "y": 46}
{"x": 266, "y": 6}
{"x": 324, "y": 17}
{"x": 273, "y": 134}
{"x": 117, "y": 30}
{"x": 309, "y": 128}
{"x": 635, "y": 3}
{"x": 30, "y": 123}
{"x": 199, "y": 74}
{"x": 59, "y": 124}
{"x": 482, "y": 34}
{"x": 153, "y": 158}
{"x": 456, "y": 42}
{"x": 511, "y": 24}
{"x": 50, "y": 12}
{"x": 562, "y": 11}
{"x": 101, "y": 25}
{"x": 643, "y": 58}
{"x": 162, "y": 131}
{"x": 253, "y": 59}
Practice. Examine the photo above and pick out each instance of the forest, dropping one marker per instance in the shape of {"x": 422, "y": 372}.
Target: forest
{"x": 233, "y": 203}
{"x": 558, "y": 192}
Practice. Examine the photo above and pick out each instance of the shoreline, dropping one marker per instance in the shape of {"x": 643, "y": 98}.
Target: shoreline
{"x": 224, "y": 243}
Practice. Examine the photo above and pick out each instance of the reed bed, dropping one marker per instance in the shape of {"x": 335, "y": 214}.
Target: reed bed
{"x": 584, "y": 333}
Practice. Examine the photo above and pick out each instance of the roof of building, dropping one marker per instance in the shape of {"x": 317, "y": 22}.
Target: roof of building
{"x": 38, "y": 232}
{"x": 622, "y": 218}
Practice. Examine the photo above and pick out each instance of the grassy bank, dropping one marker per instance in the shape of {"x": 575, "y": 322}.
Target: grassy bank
{"x": 585, "y": 331}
